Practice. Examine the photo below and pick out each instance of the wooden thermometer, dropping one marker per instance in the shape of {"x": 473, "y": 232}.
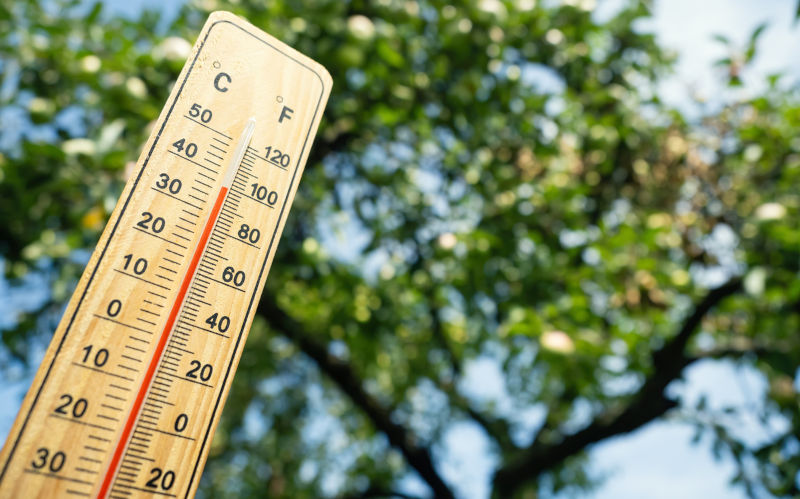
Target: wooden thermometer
{"x": 130, "y": 391}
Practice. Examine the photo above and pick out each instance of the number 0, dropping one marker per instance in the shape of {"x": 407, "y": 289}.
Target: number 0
{"x": 180, "y": 422}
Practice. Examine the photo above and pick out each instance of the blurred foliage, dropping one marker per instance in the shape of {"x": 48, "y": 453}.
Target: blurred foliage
{"x": 494, "y": 182}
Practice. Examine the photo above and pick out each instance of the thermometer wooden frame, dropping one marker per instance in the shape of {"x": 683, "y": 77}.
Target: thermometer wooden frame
{"x": 130, "y": 390}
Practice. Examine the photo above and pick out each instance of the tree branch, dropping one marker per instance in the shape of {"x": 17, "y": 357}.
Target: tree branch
{"x": 671, "y": 358}
{"x": 342, "y": 373}
{"x": 742, "y": 347}
{"x": 495, "y": 427}
{"x": 438, "y": 333}
{"x": 648, "y": 404}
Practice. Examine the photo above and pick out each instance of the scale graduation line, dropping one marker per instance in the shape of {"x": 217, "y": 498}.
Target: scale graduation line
{"x": 191, "y": 272}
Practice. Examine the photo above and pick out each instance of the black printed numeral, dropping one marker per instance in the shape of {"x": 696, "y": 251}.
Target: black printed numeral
{"x": 277, "y": 157}
{"x": 247, "y": 234}
{"x": 200, "y": 370}
{"x": 77, "y": 408}
{"x": 189, "y": 149}
{"x": 54, "y": 463}
{"x": 172, "y": 185}
{"x": 220, "y": 323}
{"x": 234, "y": 276}
{"x": 139, "y": 265}
{"x": 197, "y": 111}
{"x": 160, "y": 479}
{"x": 151, "y": 223}
{"x": 261, "y": 193}
{"x": 180, "y": 422}
{"x": 99, "y": 358}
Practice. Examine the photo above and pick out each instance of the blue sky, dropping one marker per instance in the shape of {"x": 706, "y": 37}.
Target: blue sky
{"x": 658, "y": 461}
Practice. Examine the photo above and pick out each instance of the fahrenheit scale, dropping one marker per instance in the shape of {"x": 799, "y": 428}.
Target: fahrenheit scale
{"x": 130, "y": 391}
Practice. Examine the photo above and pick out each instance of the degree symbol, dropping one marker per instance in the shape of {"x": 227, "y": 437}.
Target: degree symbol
{"x": 279, "y": 99}
{"x": 216, "y": 64}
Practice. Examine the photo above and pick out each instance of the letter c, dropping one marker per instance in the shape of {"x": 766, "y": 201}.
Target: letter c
{"x": 219, "y": 77}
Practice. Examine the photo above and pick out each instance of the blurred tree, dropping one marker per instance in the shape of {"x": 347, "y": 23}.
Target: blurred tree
{"x": 494, "y": 181}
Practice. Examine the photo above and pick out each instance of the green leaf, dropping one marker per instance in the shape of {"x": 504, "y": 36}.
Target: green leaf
{"x": 721, "y": 39}
{"x": 94, "y": 14}
{"x": 750, "y": 51}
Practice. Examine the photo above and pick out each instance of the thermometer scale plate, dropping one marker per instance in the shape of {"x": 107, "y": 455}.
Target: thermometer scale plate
{"x": 131, "y": 388}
